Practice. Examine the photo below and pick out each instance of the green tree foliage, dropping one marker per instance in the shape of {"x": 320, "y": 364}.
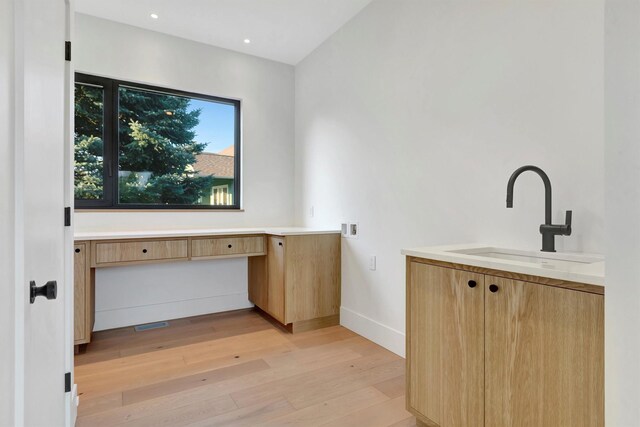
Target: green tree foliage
{"x": 156, "y": 148}
{"x": 88, "y": 143}
{"x": 156, "y": 135}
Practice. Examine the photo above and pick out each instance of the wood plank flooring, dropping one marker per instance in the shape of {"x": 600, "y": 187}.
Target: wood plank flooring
{"x": 238, "y": 369}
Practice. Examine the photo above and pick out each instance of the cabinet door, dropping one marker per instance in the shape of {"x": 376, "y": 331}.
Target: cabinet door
{"x": 312, "y": 276}
{"x": 544, "y": 355}
{"x": 275, "y": 273}
{"x": 80, "y": 307}
{"x": 445, "y": 345}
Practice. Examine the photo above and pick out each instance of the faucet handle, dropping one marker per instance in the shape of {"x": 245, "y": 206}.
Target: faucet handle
{"x": 567, "y": 222}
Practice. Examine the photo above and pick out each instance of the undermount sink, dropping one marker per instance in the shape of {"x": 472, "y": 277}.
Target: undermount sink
{"x": 544, "y": 259}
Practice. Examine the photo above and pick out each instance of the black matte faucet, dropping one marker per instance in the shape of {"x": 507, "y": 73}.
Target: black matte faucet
{"x": 548, "y": 230}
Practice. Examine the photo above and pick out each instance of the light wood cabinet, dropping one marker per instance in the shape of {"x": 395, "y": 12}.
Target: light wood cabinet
{"x": 275, "y": 278}
{"x": 488, "y": 350}
{"x": 544, "y": 355}
{"x": 295, "y": 279}
{"x": 139, "y": 251}
{"x": 217, "y": 247}
{"x": 84, "y": 298}
{"x": 299, "y": 283}
{"x": 445, "y": 355}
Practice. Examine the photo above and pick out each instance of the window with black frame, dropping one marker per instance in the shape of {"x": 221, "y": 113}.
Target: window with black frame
{"x": 143, "y": 147}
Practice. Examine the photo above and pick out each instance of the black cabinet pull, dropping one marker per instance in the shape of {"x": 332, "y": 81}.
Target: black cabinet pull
{"x": 472, "y": 283}
{"x": 144, "y": 251}
{"x": 230, "y": 246}
{"x": 280, "y": 243}
{"x": 77, "y": 250}
{"x": 493, "y": 288}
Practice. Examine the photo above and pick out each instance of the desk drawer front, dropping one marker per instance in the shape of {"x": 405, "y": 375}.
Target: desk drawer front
{"x": 227, "y": 246}
{"x": 108, "y": 253}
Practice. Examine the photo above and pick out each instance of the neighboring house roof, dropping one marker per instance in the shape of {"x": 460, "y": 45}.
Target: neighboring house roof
{"x": 218, "y": 165}
{"x": 229, "y": 151}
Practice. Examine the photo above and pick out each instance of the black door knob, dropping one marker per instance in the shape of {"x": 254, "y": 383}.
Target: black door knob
{"x": 49, "y": 290}
{"x": 493, "y": 288}
{"x": 144, "y": 251}
{"x": 472, "y": 283}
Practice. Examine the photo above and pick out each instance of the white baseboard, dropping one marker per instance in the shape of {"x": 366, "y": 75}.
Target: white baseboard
{"x": 389, "y": 338}
{"x": 129, "y": 316}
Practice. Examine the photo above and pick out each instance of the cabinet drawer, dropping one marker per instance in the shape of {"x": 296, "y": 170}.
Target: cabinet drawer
{"x": 227, "y": 246}
{"x": 140, "y": 251}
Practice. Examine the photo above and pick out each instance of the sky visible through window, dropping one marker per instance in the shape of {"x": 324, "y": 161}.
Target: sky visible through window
{"x": 216, "y": 127}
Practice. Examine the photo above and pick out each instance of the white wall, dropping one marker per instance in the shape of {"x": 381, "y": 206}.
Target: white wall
{"x": 134, "y": 295}
{"x": 411, "y": 118}
{"x": 622, "y": 185}
{"x": 266, "y": 88}
{"x": 7, "y": 248}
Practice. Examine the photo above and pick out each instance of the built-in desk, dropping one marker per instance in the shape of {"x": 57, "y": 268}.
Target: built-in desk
{"x": 294, "y": 273}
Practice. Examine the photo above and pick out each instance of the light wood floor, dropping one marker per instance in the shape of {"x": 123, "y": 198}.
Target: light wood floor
{"x": 237, "y": 369}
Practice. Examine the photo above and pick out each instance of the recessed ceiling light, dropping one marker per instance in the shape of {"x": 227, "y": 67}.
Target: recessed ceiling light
{"x": 247, "y": 41}
{"x": 154, "y": 15}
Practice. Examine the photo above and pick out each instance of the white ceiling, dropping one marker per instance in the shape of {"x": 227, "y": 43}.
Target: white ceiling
{"x": 281, "y": 30}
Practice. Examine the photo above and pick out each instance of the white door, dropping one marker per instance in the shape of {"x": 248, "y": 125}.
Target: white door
{"x": 34, "y": 31}
{"x": 7, "y": 259}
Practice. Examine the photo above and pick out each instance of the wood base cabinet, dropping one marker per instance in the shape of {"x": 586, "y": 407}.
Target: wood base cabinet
{"x": 84, "y": 297}
{"x": 298, "y": 282}
{"x": 488, "y": 350}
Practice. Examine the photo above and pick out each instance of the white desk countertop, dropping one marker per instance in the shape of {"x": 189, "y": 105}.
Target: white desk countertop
{"x": 561, "y": 266}
{"x": 276, "y": 231}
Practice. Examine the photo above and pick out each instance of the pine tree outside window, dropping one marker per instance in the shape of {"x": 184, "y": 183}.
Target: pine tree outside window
{"x": 144, "y": 147}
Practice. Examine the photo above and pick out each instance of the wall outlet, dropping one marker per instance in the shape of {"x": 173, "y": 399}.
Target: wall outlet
{"x": 344, "y": 227}
{"x": 372, "y": 263}
{"x": 354, "y": 230}
{"x": 312, "y": 212}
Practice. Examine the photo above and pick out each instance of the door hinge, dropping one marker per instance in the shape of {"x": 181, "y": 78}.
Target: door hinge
{"x": 67, "y": 216}
{"x": 67, "y": 382}
{"x": 67, "y": 50}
